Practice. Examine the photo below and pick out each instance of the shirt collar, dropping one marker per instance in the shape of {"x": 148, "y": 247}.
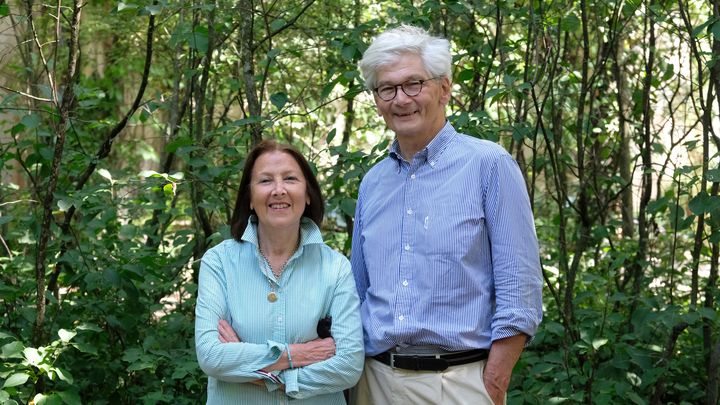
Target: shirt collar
{"x": 309, "y": 232}
{"x": 431, "y": 153}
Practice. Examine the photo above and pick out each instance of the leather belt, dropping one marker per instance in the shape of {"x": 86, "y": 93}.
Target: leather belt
{"x": 430, "y": 362}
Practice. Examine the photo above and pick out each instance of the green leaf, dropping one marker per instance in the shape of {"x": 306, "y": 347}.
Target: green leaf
{"x": 635, "y": 398}
{"x": 13, "y": 350}
{"x": 348, "y": 52}
{"x": 347, "y": 205}
{"x": 327, "y": 89}
{"x": 154, "y": 9}
{"x": 713, "y": 175}
{"x": 141, "y": 365}
{"x": 122, "y": 6}
{"x": 598, "y": 343}
{"x": 198, "y": 39}
{"x": 279, "y": 100}
{"x": 330, "y": 136}
{"x": 66, "y": 335}
{"x": 64, "y": 375}
{"x": 715, "y": 30}
{"x": 106, "y": 174}
{"x": 112, "y": 276}
{"x": 89, "y": 326}
{"x": 4, "y": 220}
{"x": 64, "y": 205}
{"x": 85, "y": 348}
{"x": 52, "y": 399}
{"x": 277, "y": 24}
{"x": 704, "y": 203}
{"x": 169, "y": 189}
{"x": 179, "y": 142}
{"x": 466, "y": 75}
{"x": 4, "y": 10}
{"x": 15, "y": 380}
{"x": 31, "y": 121}
{"x": 570, "y": 23}
{"x": 70, "y": 397}
{"x": 33, "y": 356}
{"x": 700, "y": 28}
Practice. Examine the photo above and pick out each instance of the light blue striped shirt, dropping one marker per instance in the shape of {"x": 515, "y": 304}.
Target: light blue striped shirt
{"x": 444, "y": 250}
{"x": 234, "y": 284}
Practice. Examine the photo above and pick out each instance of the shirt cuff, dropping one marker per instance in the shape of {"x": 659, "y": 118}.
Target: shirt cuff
{"x": 290, "y": 378}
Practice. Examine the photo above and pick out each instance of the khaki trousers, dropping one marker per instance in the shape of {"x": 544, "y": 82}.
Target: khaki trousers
{"x": 458, "y": 385}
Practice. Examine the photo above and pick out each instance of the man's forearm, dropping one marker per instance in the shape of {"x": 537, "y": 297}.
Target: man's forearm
{"x": 504, "y": 353}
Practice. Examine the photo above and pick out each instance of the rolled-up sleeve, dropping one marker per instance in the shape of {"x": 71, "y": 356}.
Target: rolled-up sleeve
{"x": 343, "y": 370}
{"x": 515, "y": 257}
{"x": 231, "y": 362}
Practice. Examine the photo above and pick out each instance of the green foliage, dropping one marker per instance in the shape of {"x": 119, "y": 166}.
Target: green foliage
{"x": 630, "y": 301}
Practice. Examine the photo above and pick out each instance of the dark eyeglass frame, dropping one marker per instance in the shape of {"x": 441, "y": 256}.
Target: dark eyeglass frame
{"x": 402, "y": 86}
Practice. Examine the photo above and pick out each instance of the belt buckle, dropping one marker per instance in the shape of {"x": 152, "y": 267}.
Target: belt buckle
{"x": 392, "y": 359}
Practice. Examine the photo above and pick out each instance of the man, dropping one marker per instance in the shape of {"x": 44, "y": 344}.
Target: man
{"x": 444, "y": 250}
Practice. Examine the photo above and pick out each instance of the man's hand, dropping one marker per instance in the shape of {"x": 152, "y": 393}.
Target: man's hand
{"x": 504, "y": 353}
{"x": 496, "y": 385}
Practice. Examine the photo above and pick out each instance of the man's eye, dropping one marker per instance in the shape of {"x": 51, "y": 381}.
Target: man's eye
{"x": 386, "y": 89}
{"x": 413, "y": 85}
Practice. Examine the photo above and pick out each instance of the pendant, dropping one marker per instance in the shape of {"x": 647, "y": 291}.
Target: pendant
{"x": 272, "y": 297}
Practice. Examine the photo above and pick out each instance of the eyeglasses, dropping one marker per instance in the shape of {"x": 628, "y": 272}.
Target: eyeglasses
{"x": 411, "y": 88}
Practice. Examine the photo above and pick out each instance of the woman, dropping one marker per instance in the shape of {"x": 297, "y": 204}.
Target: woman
{"x": 262, "y": 294}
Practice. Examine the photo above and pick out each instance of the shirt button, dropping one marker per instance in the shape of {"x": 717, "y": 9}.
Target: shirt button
{"x": 412, "y": 176}
{"x": 410, "y": 211}
{"x": 405, "y": 283}
{"x": 401, "y": 317}
{"x": 407, "y": 247}
{"x": 432, "y": 163}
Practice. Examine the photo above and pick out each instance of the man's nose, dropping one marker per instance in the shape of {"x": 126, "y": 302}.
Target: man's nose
{"x": 401, "y": 97}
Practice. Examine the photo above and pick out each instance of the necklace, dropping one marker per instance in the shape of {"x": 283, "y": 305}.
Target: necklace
{"x": 272, "y": 296}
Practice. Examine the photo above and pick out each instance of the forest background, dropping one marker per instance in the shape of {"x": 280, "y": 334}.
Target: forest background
{"x": 124, "y": 126}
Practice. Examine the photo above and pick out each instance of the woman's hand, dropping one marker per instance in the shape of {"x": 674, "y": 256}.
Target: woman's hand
{"x": 305, "y": 354}
{"x": 314, "y": 351}
{"x": 226, "y": 334}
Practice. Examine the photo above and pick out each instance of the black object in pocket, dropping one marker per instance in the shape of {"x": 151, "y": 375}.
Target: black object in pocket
{"x": 323, "y": 327}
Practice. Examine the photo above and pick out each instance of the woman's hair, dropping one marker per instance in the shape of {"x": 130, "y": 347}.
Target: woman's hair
{"x": 241, "y": 214}
{"x": 387, "y": 47}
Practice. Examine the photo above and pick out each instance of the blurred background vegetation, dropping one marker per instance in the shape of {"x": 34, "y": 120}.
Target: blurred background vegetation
{"x": 124, "y": 126}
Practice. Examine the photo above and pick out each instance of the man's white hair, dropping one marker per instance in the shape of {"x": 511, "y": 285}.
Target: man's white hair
{"x": 387, "y": 48}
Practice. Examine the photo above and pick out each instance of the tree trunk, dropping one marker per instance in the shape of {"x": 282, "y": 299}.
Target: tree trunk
{"x": 68, "y": 99}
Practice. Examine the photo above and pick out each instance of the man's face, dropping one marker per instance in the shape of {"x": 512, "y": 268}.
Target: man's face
{"x": 420, "y": 116}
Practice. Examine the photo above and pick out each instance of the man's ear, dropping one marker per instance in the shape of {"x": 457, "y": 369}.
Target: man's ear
{"x": 445, "y": 87}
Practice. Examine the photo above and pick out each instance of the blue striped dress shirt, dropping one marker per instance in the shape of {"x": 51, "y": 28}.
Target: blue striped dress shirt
{"x": 234, "y": 284}
{"x": 444, "y": 250}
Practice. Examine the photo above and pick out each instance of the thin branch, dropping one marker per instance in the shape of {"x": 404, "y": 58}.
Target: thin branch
{"x": 283, "y": 28}
{"x": 46, "y": 100}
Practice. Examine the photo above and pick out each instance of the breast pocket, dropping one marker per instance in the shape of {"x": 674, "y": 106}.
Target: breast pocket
{"x": 453, "y": 240}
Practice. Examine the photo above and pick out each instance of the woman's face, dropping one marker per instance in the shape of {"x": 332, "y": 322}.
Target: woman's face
{"x": 278, "y": 191}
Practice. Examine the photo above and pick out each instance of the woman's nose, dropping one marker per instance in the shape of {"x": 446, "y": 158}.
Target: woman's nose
{"x": 278, "y": 189}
